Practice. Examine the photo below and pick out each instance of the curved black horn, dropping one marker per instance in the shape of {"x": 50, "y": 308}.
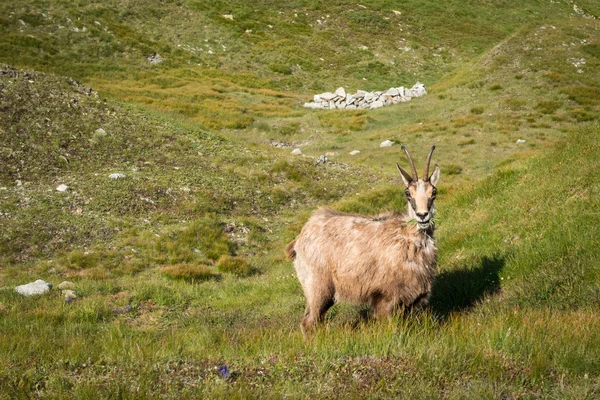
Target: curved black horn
{"x": 426, "y": 176}
{"x": 412, "y": 164}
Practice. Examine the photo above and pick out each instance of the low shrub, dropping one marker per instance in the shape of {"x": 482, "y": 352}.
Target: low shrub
{"x": 234, "y": 265}
{"x": 189, "y": 272}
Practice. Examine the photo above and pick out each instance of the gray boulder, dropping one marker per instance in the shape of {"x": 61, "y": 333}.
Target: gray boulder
{"x": 34, "y": 288}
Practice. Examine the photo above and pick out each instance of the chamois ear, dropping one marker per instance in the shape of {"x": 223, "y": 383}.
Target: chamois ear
{"x": 406, "y": 178}
{"x": 435, "y": 177}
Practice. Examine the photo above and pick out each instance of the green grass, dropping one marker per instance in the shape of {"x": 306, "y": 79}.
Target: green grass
{"x": 179, "y": 267}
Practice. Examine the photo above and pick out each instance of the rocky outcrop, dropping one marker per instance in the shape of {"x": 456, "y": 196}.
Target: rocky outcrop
{"x": 365, "y": 100}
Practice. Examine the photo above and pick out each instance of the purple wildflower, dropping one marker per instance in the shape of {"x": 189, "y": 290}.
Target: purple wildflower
{"x": 224, "y": 371}
{"x": 127, "y": 307}
{"x": 68, "y": 299}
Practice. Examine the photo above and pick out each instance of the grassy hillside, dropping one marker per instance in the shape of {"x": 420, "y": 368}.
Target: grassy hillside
{"x": 178, "y": 262}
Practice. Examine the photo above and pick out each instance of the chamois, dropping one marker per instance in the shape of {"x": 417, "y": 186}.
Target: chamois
{"x": 387, "y": 261}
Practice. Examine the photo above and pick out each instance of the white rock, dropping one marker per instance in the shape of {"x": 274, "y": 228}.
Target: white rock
{"x": 322, "y": 160}
{"x": 392, "y": 92}
{"x": 296, "y": 152}
{"x": 387, "y": 143}
{"x": 327, "y": 96}
{"x": 519, "y": 141}
{"x": 376, "y": 104}
{"x": 100, "y": 132}
{"x": 419, "y": 89}
{"x": 62, "y": 188}
{"x": 341, "y": 92}
{"x": 354, "y": 152}
{"x": 155, "y": 59}
{"x": 228, "y": 16}
{"x": 116, "y": 175}
{"x": 33, "y": 288}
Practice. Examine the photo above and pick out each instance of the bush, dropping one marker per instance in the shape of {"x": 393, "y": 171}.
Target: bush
{"x": 189, "y": 272}
{"x": 234, "y": 265}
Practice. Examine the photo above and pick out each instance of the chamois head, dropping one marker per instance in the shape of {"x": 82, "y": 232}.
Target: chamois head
{"x": 420, "y": 193}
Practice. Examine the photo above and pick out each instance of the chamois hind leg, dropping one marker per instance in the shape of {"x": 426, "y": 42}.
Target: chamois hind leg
{"x": 383, "y": 307}
{"x": 318, "y": 301}
{"x": 418, "y": 304}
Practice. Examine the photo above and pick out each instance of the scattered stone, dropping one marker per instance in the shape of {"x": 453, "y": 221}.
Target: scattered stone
{"x": 155, "y": 59}
{"x": 69, "y": 294}
{"x": 519, "y": 141}
{"x": 387, "y": 143}
{"x": 296, "y": 152}
{"x": 34, "y": 288}
{"x": 228, "y": 16}
{"x": 65, "y": 285}
{"x": 62, "y": 188}
{"x": 341, "y": 92}
{"x": 100, "y": 132}
{"x": 322, "y": 160}
{"x": 116, "y": 175}
{"x": 354, "y": 152}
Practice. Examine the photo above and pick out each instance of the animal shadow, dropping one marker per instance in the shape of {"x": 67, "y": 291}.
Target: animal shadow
{"x": 459, "y": 290}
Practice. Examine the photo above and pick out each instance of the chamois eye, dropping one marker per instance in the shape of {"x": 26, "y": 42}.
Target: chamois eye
{"x": 407, "y": 193}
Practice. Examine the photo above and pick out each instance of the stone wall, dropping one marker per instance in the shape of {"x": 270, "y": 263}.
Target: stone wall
{"x": 365, "y": 100}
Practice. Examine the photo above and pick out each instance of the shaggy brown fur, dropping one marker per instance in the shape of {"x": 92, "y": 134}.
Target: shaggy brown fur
{"x": 384, "y": 261}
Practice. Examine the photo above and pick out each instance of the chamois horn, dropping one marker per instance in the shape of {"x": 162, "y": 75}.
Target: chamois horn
{"x": 412, "y": 164}
{"x": 426, "y": 176}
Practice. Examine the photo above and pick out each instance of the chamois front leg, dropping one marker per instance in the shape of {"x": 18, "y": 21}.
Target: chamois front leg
{"x": 316, "y": 306}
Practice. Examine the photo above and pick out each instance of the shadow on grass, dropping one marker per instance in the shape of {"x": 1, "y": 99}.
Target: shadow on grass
{"x": 458, "y": 290}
